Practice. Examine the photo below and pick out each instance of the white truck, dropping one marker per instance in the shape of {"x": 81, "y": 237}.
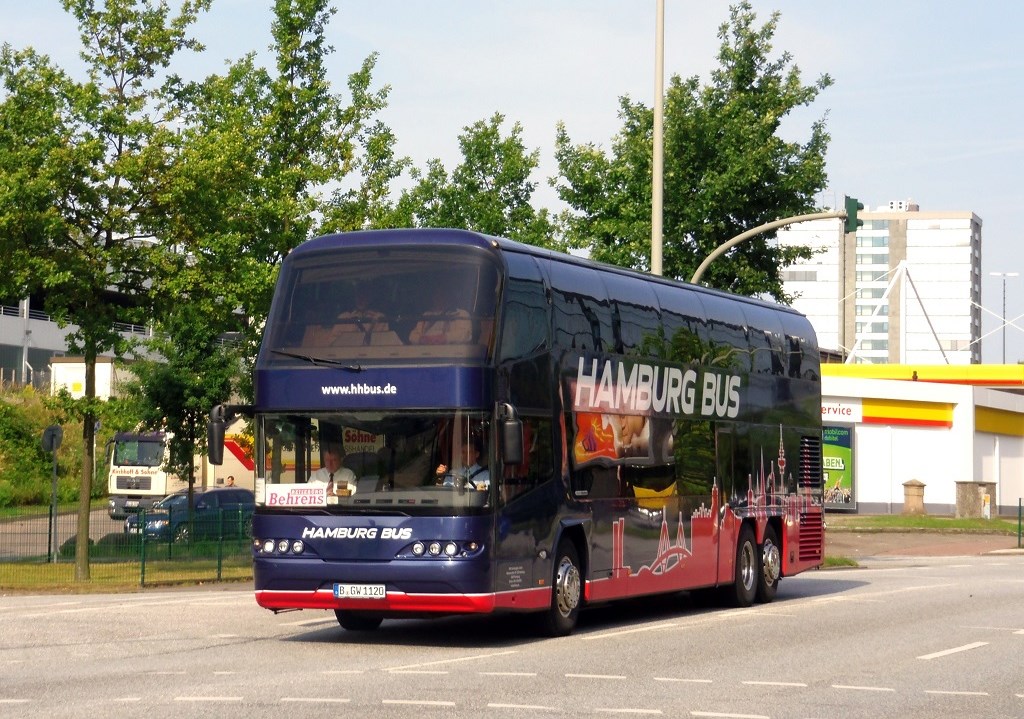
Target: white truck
{"x": 136, "y": 476}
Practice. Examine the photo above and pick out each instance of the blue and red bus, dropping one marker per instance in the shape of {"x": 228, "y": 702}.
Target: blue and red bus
{"x": 523, "y": 431}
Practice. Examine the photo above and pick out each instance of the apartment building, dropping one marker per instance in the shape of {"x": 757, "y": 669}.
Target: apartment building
{"x": 905, "y": 288}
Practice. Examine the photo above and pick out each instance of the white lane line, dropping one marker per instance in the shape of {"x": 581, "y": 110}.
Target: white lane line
{"x": 307, "y": 622}
{"x": 954, "y": 650}
{"x": 507, "y": 674}
{"x": 862, "y": 689}
{"x": 418, "y": 702}
{"x": 127, "y": 700}
{"x": 207, "y": 699}
{"x": 728, "y": 716}
{"x": 341, "y": 671}
{"x": 418, "y": 671}
{"x": 450, "y": 661}
{"x": 956, "y": 694}
{"x": 175, "y": 673}
{"x": 776, "y": 684}
{"x": 682, "y": 679}
{"x": 656, "y": 712}
{"x": 528, "y": 707}
{"x": 315, "y": 700}
{"x": 624, "y": 632}
{"x": 14, "y": 701}
{"x": 595, "y": 676}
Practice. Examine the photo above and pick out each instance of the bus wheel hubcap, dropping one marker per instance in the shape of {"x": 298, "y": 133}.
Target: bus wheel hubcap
{"x": 567, "y": 587}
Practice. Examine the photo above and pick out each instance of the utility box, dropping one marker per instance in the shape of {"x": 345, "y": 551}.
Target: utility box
{"x": 974, "y": 499}
{"x": 913, "y": 497}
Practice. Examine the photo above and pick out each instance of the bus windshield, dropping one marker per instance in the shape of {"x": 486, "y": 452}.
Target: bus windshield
{"x": 385, "y": 304}
{"x": 391, "y": 462}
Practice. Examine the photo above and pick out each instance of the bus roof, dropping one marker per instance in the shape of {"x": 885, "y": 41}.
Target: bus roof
{"x": 406, "y": 236}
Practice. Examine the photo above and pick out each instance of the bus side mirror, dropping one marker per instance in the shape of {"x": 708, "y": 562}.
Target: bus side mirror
{"x": 215, "y": 435}
{"x": 511, "y": 436}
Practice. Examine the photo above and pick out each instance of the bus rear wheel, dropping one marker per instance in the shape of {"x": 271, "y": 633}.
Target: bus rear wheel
{"x": 566, "y": 592}
{"x": 357, "y": 621}
{"x": 748, "y": 567}
{"x": 771, "y": 566}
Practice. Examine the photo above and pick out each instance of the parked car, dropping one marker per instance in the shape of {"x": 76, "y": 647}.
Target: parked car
{"x": 223, "y": 511}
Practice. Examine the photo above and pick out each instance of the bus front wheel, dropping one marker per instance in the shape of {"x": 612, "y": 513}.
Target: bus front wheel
{"x": 356, "y": 621}
{"x": 566, "y": 591}
{"x": 748, "y": 567}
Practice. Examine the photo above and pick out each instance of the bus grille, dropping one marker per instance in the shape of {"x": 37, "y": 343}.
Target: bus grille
{"x": 812, "y": 536}
{"x": 810, "y": 462}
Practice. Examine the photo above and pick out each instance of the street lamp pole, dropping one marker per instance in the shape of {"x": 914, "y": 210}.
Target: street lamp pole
{"x": 1004, "y": 275}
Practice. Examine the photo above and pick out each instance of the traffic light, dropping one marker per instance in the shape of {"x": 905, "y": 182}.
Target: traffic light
{"x": 852, "y": 223}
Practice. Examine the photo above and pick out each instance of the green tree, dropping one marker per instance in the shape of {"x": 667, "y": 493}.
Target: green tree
{"x": 79, "y": 164}
{"x": 489, "y": 191}
{"x": 191, "y": 370}
{"x": 727, "y": 169}
{"x": 259, "y": 150}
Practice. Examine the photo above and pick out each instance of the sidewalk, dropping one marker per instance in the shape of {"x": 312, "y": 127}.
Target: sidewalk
{"x": 861, "y": 544}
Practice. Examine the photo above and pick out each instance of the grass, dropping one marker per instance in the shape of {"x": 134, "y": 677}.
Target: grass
{"x": 912, "y": 523}
{"x": 119, "y": 576}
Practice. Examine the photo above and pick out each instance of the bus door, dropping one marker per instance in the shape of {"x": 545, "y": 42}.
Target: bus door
{"x": 528, "y": 502}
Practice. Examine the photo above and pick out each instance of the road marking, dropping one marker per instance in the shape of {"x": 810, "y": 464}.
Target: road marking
{"x": 307, "y": 622}
{"x": 418, "y": 671}
{"x": 530, "y": 707}
{"x": 681, "y": 679}
{"x": 595, "y": 676}
{"x": 862, "y": 689}
{"x": 418, "y": 702}
{"x": 14, "y": 701}
{"x": 656, "y": 712}
{"x": 958, "y": 694}
{"x": 341, "y": 671}
{"x": 776, "y": 684}
{"x": 316, "y": 700}
{"x": 207, "y": 699}
{"x": 728, "y": 716}
{"x": 507, "y": 674}
{"x": 451, "y": 661}
{"x": 954, "y": 650}
{"x": 128, "y": 699}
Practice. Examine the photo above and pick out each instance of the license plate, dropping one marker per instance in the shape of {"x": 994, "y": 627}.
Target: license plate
{"x": 133, "y": 530}
{"x": 132, "y": 503}
{"x": 359, "y": 591}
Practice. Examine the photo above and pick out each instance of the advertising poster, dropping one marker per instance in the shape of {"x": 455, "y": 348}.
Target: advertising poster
{"x": 837, "y": 465}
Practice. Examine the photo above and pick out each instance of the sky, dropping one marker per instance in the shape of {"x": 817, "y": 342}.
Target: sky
{"x": 927, "y": 103}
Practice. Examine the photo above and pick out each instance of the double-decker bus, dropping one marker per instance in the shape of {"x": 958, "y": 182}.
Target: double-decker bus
{"x": 524, "y": 431}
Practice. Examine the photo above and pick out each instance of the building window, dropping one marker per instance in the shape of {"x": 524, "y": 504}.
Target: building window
{"x": 800, "y": 276}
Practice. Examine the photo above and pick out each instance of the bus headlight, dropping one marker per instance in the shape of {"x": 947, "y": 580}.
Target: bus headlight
{"x": 418, "y": 548}
{"x": 268, "y": 546}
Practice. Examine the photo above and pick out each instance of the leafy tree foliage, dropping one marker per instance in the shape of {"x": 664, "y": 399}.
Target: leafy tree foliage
{"x": 489, "y": 191}
{"x": 727, "y": 169}
{"x": 259, "y": 148}
{"x": 79, "y": 164}
{"x": 192, "y": 370}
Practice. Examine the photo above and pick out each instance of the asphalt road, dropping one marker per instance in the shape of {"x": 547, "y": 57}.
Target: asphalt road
{"x": 908, "y": 636}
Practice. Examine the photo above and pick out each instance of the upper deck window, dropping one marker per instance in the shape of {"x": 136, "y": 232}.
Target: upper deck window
{"x": 390, "y": 304}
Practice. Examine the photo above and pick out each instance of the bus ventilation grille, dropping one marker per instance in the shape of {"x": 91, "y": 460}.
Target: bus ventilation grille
{"x": 810, "y": 462}
{"x": 812, "y": 537}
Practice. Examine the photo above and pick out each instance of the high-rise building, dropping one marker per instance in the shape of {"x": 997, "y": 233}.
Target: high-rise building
{"x": 905, "y": 288}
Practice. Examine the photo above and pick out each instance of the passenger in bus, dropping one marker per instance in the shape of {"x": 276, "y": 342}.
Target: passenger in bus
{"x": 339, "y": 480}
{"x": 443, "y": 323}
{"x": 470, "y": 471}
{"x": 361, "y": 318}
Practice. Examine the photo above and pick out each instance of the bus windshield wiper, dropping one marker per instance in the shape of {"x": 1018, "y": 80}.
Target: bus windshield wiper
{"x": 320, "y": 360}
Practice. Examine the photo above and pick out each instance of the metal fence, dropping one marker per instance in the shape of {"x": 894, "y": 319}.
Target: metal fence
{"x": 37, "y": 550}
